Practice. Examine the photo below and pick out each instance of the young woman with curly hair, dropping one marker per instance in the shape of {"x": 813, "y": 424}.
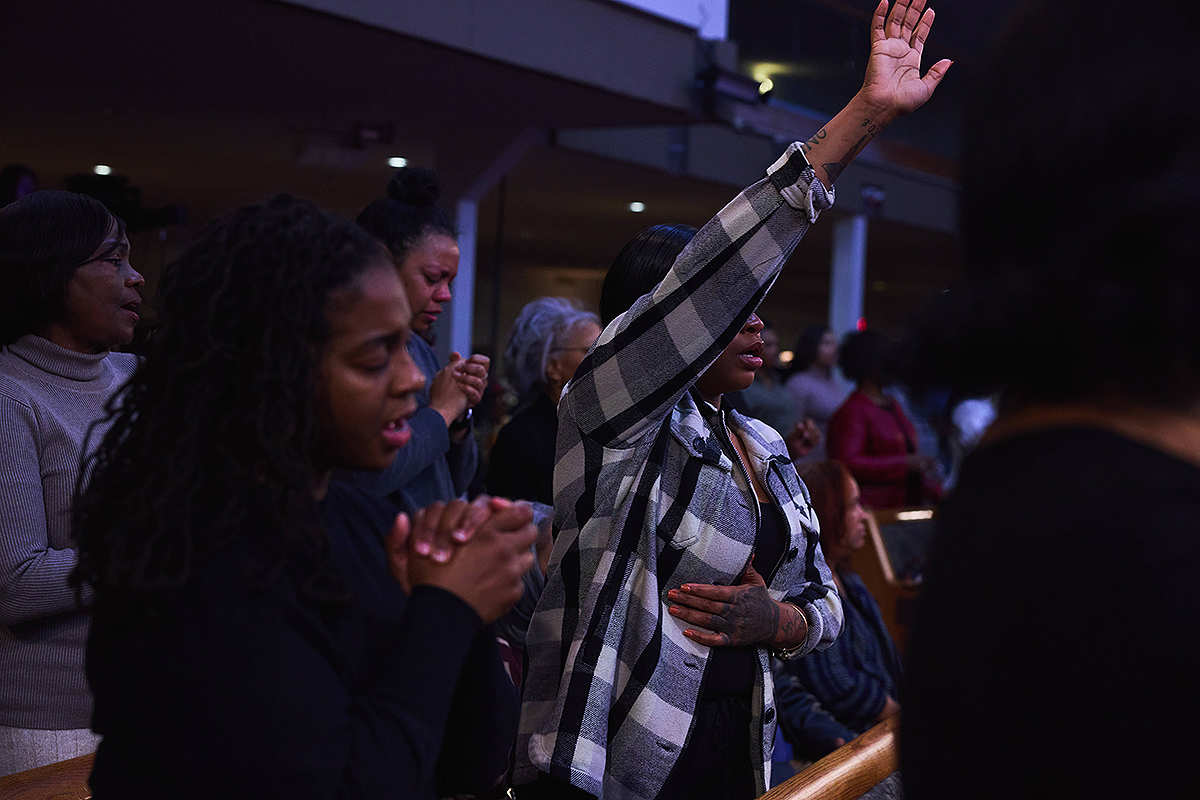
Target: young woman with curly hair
{"x": 259, "y": 630}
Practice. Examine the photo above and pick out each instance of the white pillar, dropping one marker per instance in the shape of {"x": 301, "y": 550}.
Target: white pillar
{"x": 461, "y": 312}
{"x": 847, "y": 273}
{"x": 462, "y": 299}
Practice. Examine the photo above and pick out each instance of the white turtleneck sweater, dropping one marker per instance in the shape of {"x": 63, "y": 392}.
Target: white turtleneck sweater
{"x": 49, "y": 397}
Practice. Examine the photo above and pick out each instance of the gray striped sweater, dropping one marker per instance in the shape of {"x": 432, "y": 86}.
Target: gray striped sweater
{"x": 49, "y": 397}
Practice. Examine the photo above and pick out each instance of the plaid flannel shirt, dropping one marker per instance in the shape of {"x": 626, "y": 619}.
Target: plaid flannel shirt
{"x": 646, "y": 499}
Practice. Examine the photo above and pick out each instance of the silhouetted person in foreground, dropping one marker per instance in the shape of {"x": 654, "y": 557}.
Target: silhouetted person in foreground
{"x": 1055, "y": 653}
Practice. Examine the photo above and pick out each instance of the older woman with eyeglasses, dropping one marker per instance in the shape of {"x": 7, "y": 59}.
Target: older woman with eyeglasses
{"x": 547, "y": 342}
{"x": 68, "y": 295}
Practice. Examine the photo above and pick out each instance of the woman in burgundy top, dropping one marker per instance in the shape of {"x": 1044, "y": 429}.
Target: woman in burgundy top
{"x": 871, "y": 435}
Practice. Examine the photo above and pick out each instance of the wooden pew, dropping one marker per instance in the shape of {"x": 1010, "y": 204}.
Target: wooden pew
{"x": 65, "y": 780}
{"x": 848, "y": 772}
{"x": 897, "y": 598}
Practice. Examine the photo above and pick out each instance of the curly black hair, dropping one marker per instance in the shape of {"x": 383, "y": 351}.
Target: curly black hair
{"x": 865, "y": 354}
{"x": 212, "y": 438}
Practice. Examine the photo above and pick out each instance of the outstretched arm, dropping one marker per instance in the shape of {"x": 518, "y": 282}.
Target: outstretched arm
{"x": 647, "y": 358}
{"x": 893, "y": 86}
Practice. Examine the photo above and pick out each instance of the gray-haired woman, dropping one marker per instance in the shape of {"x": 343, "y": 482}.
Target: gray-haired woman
{"x": 548, "y": 340}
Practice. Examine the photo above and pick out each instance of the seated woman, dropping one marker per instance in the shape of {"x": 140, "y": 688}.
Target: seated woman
{"x": 67, "y": 296}
{"x": 260, "y": 631}
{"x": 828, "y": 698}
{"x": 546, "y": 344}
{"x": 873, "y": 437}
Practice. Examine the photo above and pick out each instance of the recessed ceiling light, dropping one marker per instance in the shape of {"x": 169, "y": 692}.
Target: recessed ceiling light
{"x": 397, "y": 162}
{"x": 637, "y": 207}
{"x": 102, "y": 169}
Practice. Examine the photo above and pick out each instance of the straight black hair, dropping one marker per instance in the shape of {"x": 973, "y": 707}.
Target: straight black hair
{"x": 44, "y": 238}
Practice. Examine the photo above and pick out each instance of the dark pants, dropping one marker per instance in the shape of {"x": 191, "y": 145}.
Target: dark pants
{"x": 550, "y": 788}
{"x": 715, "y": 765}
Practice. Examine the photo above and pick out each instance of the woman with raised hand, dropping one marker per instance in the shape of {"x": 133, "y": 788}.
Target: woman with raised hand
{"x": 261, "y": 631}
{"x": 68, "y": 295}
{"x": 420, "y": 238}
{"x": 684, "y": 531}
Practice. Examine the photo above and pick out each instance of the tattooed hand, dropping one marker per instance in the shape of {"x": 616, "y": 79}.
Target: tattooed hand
{"x": 727, "y": 616}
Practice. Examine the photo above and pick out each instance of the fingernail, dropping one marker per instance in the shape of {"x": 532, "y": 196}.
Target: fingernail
{"x": 423, "y": 548}
{"x": 441, "y": 556}
{"x": 459, "y": 535}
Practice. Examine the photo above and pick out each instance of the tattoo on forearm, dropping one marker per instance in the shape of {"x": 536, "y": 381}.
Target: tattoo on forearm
{"x": 833, "y": 170}
{"x": 812, "y": 141}
{"x": 793, "y": 628}
{"x": 872, "y": 127}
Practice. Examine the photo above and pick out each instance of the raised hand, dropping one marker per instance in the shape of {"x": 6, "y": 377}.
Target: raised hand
{"x": 893, "y": 79}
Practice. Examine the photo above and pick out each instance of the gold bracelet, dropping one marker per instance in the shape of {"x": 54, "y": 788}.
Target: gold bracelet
{"x": 792, "y": 652}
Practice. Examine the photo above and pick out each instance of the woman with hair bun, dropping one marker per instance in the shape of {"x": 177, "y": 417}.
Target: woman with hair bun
{"x": 68, "y": 295}
{"x": 420, "y": 238}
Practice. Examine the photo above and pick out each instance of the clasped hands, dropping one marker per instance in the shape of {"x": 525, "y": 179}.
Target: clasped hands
{"x": 740, "y": 614}
{"x": 478, "y": 551}
{"x": 459, "y": 385}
